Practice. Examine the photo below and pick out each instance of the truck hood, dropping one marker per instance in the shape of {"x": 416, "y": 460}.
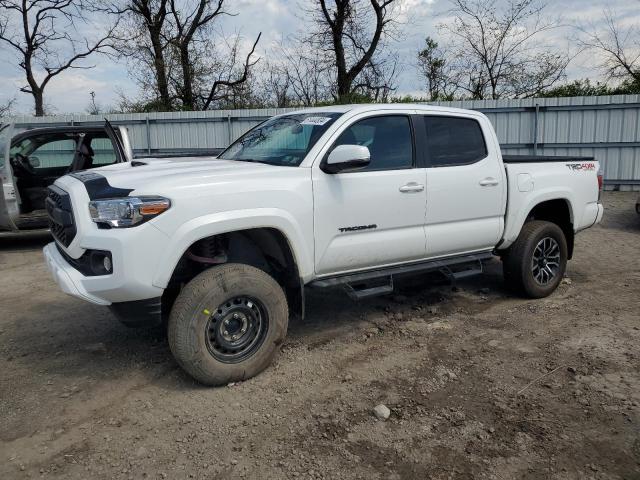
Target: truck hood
{"x": 155, "y": 175}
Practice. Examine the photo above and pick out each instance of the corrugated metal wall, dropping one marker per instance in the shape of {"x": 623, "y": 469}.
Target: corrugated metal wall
{"x": 607, "y": 128}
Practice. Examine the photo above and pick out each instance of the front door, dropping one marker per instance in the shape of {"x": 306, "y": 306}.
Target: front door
{"x": 373, "y": 216}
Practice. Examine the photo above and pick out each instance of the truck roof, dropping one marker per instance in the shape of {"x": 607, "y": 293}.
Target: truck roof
{"x": 366, "y": 107}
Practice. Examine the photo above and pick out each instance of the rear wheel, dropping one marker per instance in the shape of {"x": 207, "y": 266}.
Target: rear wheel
{"x": 227, "y": 324}
{"x": 537, "y": 260}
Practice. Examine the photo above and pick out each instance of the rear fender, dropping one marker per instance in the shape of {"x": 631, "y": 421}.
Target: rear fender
{"x": 517, "y": 214}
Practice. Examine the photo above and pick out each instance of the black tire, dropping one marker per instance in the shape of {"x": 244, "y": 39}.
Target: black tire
{"x": 518, "y": 262}
{"x": 193, "y": 324}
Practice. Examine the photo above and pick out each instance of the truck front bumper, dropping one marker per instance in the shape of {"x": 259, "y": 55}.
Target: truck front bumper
{"x": 67, "y": 277}
{"x": 133, "y": 269}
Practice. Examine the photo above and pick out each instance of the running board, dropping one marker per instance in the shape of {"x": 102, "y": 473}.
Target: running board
{"x": 358, "y": 285}
{"x": 358, "y": 292}
{"x": 453, "y": 273}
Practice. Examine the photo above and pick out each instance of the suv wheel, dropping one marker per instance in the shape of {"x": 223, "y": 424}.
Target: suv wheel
{"x": 227, "y": 324}
{"x": 537, "y": 260}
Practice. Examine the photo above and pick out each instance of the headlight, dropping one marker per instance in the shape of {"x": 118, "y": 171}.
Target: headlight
{"x": 127, "y": 211}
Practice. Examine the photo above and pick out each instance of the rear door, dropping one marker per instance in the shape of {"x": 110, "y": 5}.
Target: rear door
{"x": 465, "y": 185}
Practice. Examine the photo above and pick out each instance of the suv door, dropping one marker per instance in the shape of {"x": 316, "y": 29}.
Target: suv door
{"x": 8, "y": 200}
{"x": 465, "y": 186}
{"x": 38, "y": 160}
{"x": 373, "y": 216}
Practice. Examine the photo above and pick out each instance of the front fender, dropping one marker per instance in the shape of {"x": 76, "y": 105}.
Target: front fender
{"x": 230, "y": 221}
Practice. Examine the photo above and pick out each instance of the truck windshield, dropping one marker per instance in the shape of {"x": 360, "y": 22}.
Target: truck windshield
{"x": 283, "y": 141}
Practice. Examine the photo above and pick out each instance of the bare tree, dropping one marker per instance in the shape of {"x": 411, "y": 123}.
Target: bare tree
{"x": 434, "y": 68}
{"x": 228, "y": 76}
{"x": 619, "y": 48}
{"x": 304, "y": 70}
{"x": 378, "y": 79}
{"x": 142, "y": 41}
{"x": 6, "y": 108}
{"x": 150, "y": 48}
{"x": 176, "y": 54}
{"x": 190, "y": 27}
{"x": 496, "y": 50}
{"x": 276, "y": 84}
{"x": 308, "y": 73}
{"x": 44, "y": 35}
{"x": 355, "y": 30}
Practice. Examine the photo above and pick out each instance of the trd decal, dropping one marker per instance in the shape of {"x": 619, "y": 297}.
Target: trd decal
{"x": 581, "y": 166}
{"x": 358, "y": 227}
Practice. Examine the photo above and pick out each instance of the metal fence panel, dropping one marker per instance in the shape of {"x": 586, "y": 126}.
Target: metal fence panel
{"x": 606, "y": 127}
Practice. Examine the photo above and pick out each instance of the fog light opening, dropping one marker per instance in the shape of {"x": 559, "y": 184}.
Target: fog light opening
{"x": 106, "y": 263}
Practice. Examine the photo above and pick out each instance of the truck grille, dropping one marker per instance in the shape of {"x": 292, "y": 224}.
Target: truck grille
{"x": 61, "y": 224}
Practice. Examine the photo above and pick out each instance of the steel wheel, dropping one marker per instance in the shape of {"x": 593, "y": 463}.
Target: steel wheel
{"x": 545, "y": 262}
{"x": 236, "y": 329}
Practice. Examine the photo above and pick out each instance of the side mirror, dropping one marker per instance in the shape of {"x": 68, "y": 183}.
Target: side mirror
{"x": 345, "y": 158}
{"x": 34, "y": 161}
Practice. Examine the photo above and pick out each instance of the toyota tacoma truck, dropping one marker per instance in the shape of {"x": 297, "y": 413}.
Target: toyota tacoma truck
{"x": 223, "y": 248}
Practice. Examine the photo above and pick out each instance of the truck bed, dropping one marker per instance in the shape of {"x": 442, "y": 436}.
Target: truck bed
{"x": 532, "y": 179}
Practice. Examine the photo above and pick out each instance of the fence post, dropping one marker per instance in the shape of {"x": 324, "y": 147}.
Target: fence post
{"x": 148, "y": 135}
{"x": 229, "y": 129}
{"x": 535, "y": 129}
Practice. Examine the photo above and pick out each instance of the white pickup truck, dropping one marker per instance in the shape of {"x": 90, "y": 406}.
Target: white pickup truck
{"x": 344, "y": 195}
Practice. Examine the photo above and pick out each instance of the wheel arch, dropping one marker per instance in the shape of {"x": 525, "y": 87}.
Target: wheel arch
{"x": 267, "y": 248}
{"x": 556, "y": 211}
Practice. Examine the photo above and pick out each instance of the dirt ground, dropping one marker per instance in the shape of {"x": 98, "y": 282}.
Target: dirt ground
{"x": 480, "y": 384}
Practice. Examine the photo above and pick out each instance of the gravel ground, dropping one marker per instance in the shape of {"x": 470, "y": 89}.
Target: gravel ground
{"x": 479, "y": 383}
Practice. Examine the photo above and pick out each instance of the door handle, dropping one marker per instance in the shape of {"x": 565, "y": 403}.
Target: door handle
{"x": 411, "y": 187}
{"x": 488, "y": 182}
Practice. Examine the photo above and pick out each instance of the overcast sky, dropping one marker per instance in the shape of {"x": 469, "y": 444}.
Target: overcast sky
{"x": 277, "y": 18}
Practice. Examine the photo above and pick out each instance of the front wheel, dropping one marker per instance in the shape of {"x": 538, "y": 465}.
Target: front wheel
{"x": 537, "y": 260}
{"x": 227, "y": 324}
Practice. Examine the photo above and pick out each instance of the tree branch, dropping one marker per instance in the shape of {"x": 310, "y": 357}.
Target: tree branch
{"x": 231, "y": 83}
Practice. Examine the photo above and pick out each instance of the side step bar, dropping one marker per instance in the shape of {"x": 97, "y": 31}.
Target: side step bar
{"x": 359, "y": 285}
{"x": 358, "y": 292}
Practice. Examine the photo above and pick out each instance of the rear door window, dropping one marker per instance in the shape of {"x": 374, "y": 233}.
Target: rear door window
{"x": 453, "y": 141}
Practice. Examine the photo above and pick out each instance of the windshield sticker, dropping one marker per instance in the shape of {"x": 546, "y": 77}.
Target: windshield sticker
{"x": 315, "y": 120}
